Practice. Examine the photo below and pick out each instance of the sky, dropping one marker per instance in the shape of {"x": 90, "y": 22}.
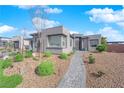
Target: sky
{"x": 85, "y": 19}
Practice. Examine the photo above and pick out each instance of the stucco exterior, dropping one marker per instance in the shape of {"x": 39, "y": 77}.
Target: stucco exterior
{"x": 20, "y": 43}
{"x": 87, "y": 43}
{"x": 73, "y": 41}
{"x": 55, "y": 31}
{"x": 3, "y": 41}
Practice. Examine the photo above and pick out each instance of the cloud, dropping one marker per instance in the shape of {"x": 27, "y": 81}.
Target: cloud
{"x": 6, "y": 28}
{"x": 110, "y": 33}
{"x": 44, "y": 23}
{"x": 26, "y": 6}
{"x": 89, "y": 33}
{"x": 74, "y": 32}
{"x": 27, "y": 33}
{"x": 106, "y": 15}
{"x": 51, "y": 23}
{"x": 47, "y": 9}
{"x": 121, "y": 24}
{"x": 53, "y": 10}
{"x": 31, "y": 6}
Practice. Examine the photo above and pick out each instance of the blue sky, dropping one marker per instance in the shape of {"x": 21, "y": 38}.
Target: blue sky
{"x": 87, "y": 20}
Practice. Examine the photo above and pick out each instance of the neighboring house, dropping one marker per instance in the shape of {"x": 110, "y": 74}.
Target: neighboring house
{"x": 4, "y": 41}
{"x": 86, "y": 43}
{"x": 58, "y": 40}
{"x": 19, "y": 43}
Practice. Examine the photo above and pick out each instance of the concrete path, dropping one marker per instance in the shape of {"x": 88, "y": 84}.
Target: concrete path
{"x": 75, "y": 77}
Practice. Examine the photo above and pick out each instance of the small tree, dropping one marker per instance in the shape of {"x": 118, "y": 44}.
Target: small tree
{"x": 39, "y": 20}
{"x": 103, "y": 45}
{"x": 104, "y": 42}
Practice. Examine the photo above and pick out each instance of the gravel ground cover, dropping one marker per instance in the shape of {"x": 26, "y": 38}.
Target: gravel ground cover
{"x": 111, "y": 64}
{"x": 31, "y": 80}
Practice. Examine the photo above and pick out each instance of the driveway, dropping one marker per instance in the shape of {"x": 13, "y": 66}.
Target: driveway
{"x": 75, "y": 77}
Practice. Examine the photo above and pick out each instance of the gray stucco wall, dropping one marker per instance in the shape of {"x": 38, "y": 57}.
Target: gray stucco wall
{"x": 60, "y": 30}
{"x": 92, "y": 37}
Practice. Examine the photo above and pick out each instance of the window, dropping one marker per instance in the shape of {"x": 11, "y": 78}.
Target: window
{"x": 16, "y": 44}
{"x": 57, "y": 41}
{"x": 4, "y": 43}
{"x": 94, "y": 42}
{"x": 64, "y": 41}
{"x": 54, "y": 41}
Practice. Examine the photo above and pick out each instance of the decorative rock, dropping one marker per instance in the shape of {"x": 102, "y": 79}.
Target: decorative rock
{"x": 34, "y": 54}
{"x": 5, "y": 57}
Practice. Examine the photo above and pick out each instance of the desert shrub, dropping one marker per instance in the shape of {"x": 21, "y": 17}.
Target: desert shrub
{"x": 8, "y": 81}
{"x": 12, "y": 54}
{"x": 91, "y": 59}
{"x": 71, "y": 53}
{"x": 45, "y": 68}
{"x": 63, "y": 56}
{"x": 18, "y": 57}
{"x": 34, "y": 58}
{"x": 47, "y": 54}
{"x": 101, "y": 48}
{"x": 5, "y": 63}
{"x": 28, "y": 54}
{"x": 98, "y": 74}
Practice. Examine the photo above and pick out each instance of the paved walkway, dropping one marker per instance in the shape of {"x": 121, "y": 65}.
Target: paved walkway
{"x": 75, "y": 76}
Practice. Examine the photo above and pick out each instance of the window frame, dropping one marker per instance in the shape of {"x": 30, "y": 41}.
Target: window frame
{"x": 48, "y": 42}
{"x": 61, "y": 41}
{"x": 94, "y": 45}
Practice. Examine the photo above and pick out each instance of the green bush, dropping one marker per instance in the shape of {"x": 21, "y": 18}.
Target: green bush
{"x": 47, "y": 54}
{"x": 91, "y": 59}
{"x": 8, "y": 81}
{"x": 34, "y": 58}
{"x": 101, "y": 48}
{"x": 5, "y": 63}
{"x": 45, "y": 68}
{"x": 28, "y": 54}
{"x": 63, "y": 56}
{"x": 18, "y": 57}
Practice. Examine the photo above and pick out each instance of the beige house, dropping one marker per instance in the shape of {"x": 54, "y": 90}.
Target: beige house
{"x": 58, "y": 40}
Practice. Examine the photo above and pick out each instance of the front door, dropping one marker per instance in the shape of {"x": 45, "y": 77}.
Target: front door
{"x": 85, "y": 44}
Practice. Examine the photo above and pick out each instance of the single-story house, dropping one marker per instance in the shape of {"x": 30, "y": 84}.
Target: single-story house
{"x": 4, "y": 41}
{"x": 19, "y": 43}
{"x": 58, "y": 39}
{"x": 86, "y": 43}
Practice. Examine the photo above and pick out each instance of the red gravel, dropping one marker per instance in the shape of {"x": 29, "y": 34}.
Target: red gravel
{"x": 112, "y": 64}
